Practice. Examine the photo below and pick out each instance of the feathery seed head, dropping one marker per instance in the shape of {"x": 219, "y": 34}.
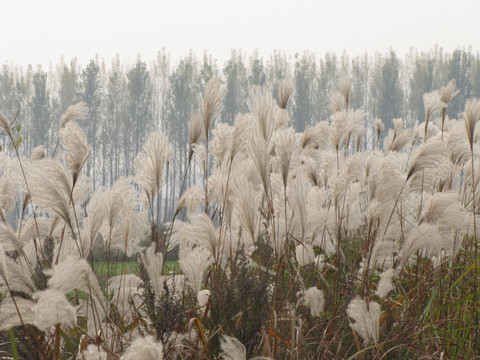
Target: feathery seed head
{"x": 74, "y": 112}
{"x": 367, "y": 319}
{"x": 471, "y": 115}
{"x": 5, "y": 125}
{"x": 345, "y": 86}
{"x": 448, "y": 92}
{"x": 211, "y": 103}
{"x": 285, "y": 91}
{"x": 38, "y": 153}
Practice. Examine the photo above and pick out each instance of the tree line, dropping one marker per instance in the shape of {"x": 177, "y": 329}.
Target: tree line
{"x": 127, "y": 101}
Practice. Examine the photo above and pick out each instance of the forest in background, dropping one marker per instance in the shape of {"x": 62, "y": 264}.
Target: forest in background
{"x": 127, "y": 101}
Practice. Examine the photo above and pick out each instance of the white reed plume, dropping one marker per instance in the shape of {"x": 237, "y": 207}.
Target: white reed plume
{"x": 397, "y": 138}
{"x": 471, "y": 115}
{"x": 53, "y": 308}
{"x": 211, "y": 103}
{"x": 345, "y": 86}
{"x": 74, "y": 274}
{"x": 379, "y": 128}
{"x": 304, "y": 254}
{"x": 285, "y": 91}
{"x": 5, "y": 126}
{"x": 8, "y": 190}
{"x": 432, "y": 103}
{"x": 446, "y": 95}
{"x": 316, "y": 136}
{"x": 202, "y": 299}
{"x": 77, "y": 150}
{"x": 78, "y": 111}
{"x": 337, "y": 102}
{"x": 3, "y": 263}
{"x": 429, "y": 155}
{"x": 191, "y": 199}
{"x": 264, "y": 109}
{"x": 150, "y": 164}
{"x": 16, "y": 276}
{"x": 195, "y": 132}
{"x": 94, "y": 352}
{"x": 38, "y": 153}
{"x": 202, "y": 232}
{"x": 144, "y": 348}
{"x": 194, "y": 264}
{"x": 232, "y": 349}
{"x": 284, "y": 146}
{"x": 9, "y": 309}
{"x": 338, "y": 128}
{"x": 385, "y": 284}
{"x": 247, "y": 208}
{"x": 366, "y": 319}
{"x": 314, "y": 300}
{"x": 153, "y": 263}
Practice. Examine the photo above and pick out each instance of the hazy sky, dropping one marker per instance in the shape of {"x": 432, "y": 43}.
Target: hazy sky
{"x": 33, "y": 31}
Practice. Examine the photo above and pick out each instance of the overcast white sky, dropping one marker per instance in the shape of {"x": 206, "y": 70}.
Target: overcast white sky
{"x": 33, "y": 31}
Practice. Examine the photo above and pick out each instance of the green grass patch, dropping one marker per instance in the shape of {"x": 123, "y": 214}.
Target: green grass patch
{"x": 129, "y": 267}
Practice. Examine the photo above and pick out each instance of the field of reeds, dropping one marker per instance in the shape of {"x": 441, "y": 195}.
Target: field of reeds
{"x": 313, "y": 245}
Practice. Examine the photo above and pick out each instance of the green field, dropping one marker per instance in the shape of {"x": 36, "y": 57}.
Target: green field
{"x": 129, "y": 267}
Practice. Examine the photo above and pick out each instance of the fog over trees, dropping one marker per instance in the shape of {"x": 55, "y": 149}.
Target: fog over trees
{"x": 127, "y": 101}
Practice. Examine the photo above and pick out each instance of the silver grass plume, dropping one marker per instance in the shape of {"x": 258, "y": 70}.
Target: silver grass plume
{"x": 194, "y": 264}
{"x": 9, "y": 314}
{"x": 150, "y": 164}
{"x": 314, "y": 300}
{"x": 366, "y": 319}
{"x": 74, "y": 274}
{"x": 338, "y": 128}
{"x": 258, "y": 149}
{"x": 211, "y": 103}
{"x": 284, "y": 146}
{"x": 202, "y": 232}
{"x": 190, "y": 199}
{"x": 358, "y": 138}
{"x": 54, "y": 194}
{"x": 447, "y": 93}
{"x": 202, "y": 299}
{"x": 38, "y": 153}
{"x": 16, "y": 276}
{"x": 345, "y": 86}
{"x": 304, "y": 254}
{"x": 153, "y": 263}
{"x": 94, "y": 352}
{"x": 397, "y": 138}
{"x": 78, "y": 111}
{"x": 5, "y": 125}
{"x": 353, "y": 123}
{"x": 285, "y": 91}
{"x": 432, "y": 103}
{"x": 195, "y": 132}
{"x": 264, "y": 109}
{"x": 379, "y": 127}
{"x": 8, "y": 190}
{"x": 3, "y": 263}
{"x": 74, "y": 140}
{"x": 53, "y": 308}
{"x": 471, "y": 115}
{"x": 246, "y": 202}
{"x": 317, "y": 135}
{"x": 428, "y": 156}
{"x": 232, "y": 349}
{"x": 219, "y": 145}
{"x": 337, "y": 102}
{"x": 144, "y": 348}
{"x": 385, "y": 284}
